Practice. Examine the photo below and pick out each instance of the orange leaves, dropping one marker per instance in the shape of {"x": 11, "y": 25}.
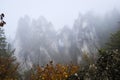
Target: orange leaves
{"x": 8, "y": 69}
{"x": 54, "y": 72}
{"x": 2, "y": 23}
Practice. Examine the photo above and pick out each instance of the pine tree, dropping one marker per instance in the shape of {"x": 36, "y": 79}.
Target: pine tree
{"x": 2, "y": 43}
{"x": 8, "y": 64}
{"x": 114, "y": 43}
{"x": 108, "y": 64}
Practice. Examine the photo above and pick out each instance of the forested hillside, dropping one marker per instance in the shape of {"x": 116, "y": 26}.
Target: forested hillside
{"x": 90, "y": 50}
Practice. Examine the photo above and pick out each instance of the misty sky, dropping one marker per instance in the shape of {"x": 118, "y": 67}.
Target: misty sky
{"x": 59, "y": 12}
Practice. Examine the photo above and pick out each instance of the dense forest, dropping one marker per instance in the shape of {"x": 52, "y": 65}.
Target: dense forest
{"x": 90, "y": 50}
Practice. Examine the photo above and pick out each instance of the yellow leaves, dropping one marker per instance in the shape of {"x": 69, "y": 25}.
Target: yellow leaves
{"x": 65, "y": 74}
{"x": 43, "y": 78}
{"x": 74, "y": 69}
{"x": 54, "y": 72}
{"x": 8, "y": 68}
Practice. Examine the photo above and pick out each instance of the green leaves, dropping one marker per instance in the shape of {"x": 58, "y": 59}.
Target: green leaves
{"x": 107, "y": 66}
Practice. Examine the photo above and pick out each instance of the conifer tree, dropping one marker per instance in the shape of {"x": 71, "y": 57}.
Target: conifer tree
{"x": 8, "y": 64}
{"x": 114, "y": 43}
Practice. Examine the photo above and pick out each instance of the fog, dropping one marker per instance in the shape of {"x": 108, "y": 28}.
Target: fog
{"x": 37, "y": 41}
{"x": 59, "y": 12}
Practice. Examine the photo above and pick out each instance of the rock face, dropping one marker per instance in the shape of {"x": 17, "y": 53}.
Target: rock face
{"x": 37, "y": 42}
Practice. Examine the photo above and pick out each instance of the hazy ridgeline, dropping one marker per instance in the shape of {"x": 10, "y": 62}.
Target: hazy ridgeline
{"x": 37, "y": 42}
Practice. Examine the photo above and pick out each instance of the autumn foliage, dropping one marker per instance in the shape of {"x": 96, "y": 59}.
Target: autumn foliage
{"x": 2, "y": 22}
{"x": 54, "y": 72}
{"x": 8, "y": 64}
{"x": 105, "y": 67}
{"x": 8, "y": 69}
